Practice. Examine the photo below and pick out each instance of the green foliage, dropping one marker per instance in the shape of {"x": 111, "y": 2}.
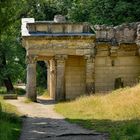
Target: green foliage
{"x": 3, "y": 90}
{"x": 80, "y": 11}
{"x": 9, "y": 130}
{"x": 18, "y": 91}
{"x": 41, "y": 91}
{"x": 14, "y": 54}
{"x": 41, "y": 74}
{"x": 105, "y": 11}
{"x": 11, "y": 53}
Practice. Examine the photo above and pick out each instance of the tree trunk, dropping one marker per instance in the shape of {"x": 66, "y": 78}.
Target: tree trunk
{"x": 6, "y": 79}
{"x": 8, "y": 84}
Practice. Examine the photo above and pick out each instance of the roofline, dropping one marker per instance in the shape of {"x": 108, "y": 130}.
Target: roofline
{"x": 60, "y": 36}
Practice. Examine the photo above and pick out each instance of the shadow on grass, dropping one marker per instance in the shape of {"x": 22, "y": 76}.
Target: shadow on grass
{"x": 10, "y": 126}
{"x": 118, "y": 130}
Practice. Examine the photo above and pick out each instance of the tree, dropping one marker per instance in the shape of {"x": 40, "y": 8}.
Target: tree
{"x": 105, "y": 11}
{"x": 9, "y": 13}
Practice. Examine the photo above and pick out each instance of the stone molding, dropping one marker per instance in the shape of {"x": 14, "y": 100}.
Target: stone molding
{"x": 89, "y": 58}
{"x": 59, "y": 19}
{"x": 113, "y": 51}
{"x": 31, "y": 59}
{"x": 47, "y": 63}
{"x": 61, "y": 57}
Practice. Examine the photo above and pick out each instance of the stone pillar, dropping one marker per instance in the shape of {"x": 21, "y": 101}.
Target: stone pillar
{"x": 60, "y": 77}
{"x": 52, "y": 79}
{"x": 48, "y": 75}
{"x": 31, "y": 79}
{"x": 90, "y": 83}
{"x": 138, "y": 38}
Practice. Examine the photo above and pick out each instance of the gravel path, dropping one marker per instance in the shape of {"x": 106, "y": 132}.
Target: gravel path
{"x": 43, "y": 123}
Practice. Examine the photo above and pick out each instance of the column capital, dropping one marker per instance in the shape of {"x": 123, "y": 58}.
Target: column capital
{"x": 47, "y": 63}
{"x": 89, "y": 58}
{"x": 31, "y": 59}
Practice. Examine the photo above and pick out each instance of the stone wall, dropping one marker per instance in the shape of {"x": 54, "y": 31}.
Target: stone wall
{"x": 127, "y": 68}
{"x": 125, "y": 33}
{"x": 75, "y": 77}
{"x": 117, "y": 56}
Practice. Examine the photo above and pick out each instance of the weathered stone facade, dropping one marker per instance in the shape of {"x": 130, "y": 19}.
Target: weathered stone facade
{"x": 80, "y": 62}
{"x": 117, "y": 56}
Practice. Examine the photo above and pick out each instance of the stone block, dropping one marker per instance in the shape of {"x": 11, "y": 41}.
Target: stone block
{"x": 10, "y": 96}
{"x": 24, "y": 29}
{"x": 73, "y": 28}
{"x": 59, "y": 19}
{"x": 103, "y": 34}
{"x": 56, "y": 29}
{"x": 127, "y": 53}
{"x": 102, "y": 53}
{"x": 129, "y": 35}
{"x": 42, "y": 28}
{"x": 88, "y": 51}
{"x": 79, "y": 51}
{"x": 110, "y": 33}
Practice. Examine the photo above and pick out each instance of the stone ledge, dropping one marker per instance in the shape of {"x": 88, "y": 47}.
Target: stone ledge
{"x": 10, "y": 96}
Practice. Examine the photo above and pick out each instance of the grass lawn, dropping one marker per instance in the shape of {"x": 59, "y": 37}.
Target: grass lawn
{"x": 10, "y": 122}
{"x": 117, "y": 113}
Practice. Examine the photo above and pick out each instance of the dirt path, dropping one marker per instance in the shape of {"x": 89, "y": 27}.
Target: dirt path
{"x": 43, "y": 123}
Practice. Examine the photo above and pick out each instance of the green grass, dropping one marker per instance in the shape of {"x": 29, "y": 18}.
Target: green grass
{"x": 3, "y": 90}
{"x": 10, "y": 122}
{"x": 41, "y": 91}
{"x": 117, "y": 113}
{"x": 27, "y": 101}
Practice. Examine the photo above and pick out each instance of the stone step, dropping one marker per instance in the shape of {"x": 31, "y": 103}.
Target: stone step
{"x": 10, "y": 96}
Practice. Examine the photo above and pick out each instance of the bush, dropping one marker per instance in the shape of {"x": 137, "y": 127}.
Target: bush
{"x": 18, "y": 91}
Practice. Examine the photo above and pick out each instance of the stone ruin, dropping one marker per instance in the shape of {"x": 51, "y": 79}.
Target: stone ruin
{"x": 81, "y": 59}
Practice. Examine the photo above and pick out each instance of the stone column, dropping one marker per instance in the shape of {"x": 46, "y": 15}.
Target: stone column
{"x": 60, "y": 77}
{"x": 48, "y": 75}
{"x": 52, "y": 79}
{"x": 90, "y": 83}
{"x": 138, "y": 38}
{"x": 31, "y": 79}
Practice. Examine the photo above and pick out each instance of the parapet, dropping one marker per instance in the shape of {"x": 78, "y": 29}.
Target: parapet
{"x": 58, "y": 27}
{"x": 122, "y": 34}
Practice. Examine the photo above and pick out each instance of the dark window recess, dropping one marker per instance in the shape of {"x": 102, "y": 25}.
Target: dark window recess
{"x": 118, "y": 83}
{"x": 113, "y": 63}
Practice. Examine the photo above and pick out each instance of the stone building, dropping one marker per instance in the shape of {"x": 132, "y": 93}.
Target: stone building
{"x": 81, "y": 59}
